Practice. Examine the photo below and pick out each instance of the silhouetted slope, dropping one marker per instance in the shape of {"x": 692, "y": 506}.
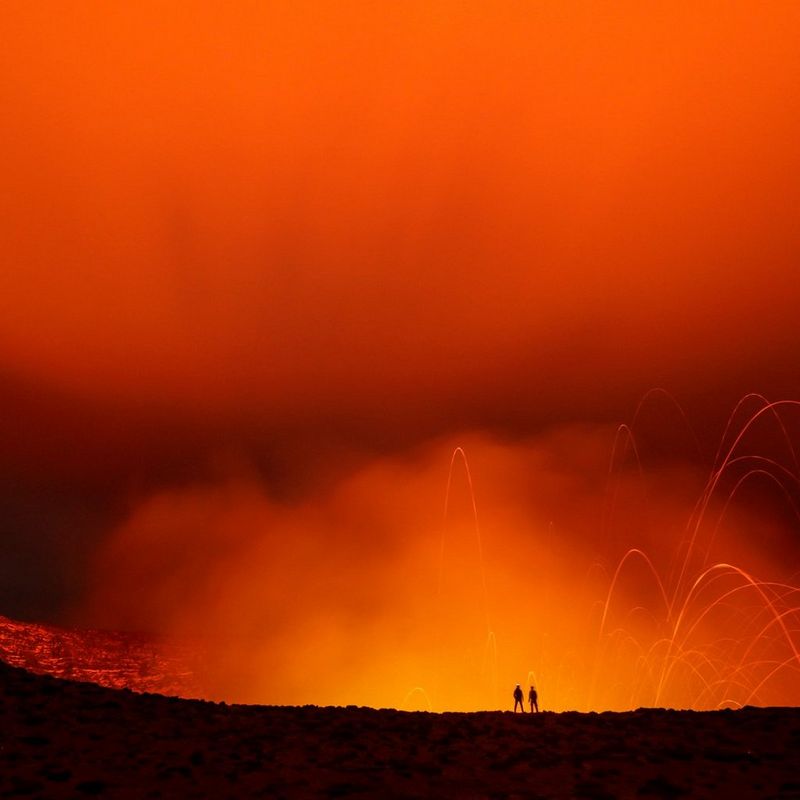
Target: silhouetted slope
{"x": 68, "y": 739}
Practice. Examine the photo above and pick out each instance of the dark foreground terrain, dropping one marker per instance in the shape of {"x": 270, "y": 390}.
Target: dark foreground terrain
{"x": 66, "y": 739}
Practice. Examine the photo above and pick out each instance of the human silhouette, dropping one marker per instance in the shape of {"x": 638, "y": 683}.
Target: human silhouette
{"x": 518, "y": 700}
{"x": 533, "y": 699}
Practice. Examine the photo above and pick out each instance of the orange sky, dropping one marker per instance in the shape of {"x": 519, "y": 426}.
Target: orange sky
{"x": 293, "y": 238}
{"x": 257, "y": 208}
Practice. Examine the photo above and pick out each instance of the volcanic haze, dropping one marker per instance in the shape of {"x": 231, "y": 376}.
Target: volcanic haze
{"x": 266, "y": 267}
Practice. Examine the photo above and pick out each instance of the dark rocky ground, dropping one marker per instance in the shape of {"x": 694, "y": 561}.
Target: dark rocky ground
{"x": 61, "y": 738}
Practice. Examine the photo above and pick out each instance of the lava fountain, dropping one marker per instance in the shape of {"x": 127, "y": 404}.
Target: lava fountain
{"x": 649, "y": 582}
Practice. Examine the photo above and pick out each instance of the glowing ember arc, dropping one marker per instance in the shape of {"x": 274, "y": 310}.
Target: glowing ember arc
{"x": 673, "y": 604}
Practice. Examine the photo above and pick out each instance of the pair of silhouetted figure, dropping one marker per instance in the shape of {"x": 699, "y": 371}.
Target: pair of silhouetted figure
{"x": 533, "y": 699}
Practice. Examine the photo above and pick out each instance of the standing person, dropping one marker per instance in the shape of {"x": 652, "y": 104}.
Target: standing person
{"x": 518, "y": 700}
{"x": 533, "y": 699}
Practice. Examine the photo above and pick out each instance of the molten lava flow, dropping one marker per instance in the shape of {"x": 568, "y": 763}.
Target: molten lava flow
{"x": 113, "y": 659}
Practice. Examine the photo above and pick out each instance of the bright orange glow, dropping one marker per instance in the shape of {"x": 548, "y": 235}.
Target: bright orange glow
{"x": 319, "y": 319}
{"x": 414, "y": 610}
